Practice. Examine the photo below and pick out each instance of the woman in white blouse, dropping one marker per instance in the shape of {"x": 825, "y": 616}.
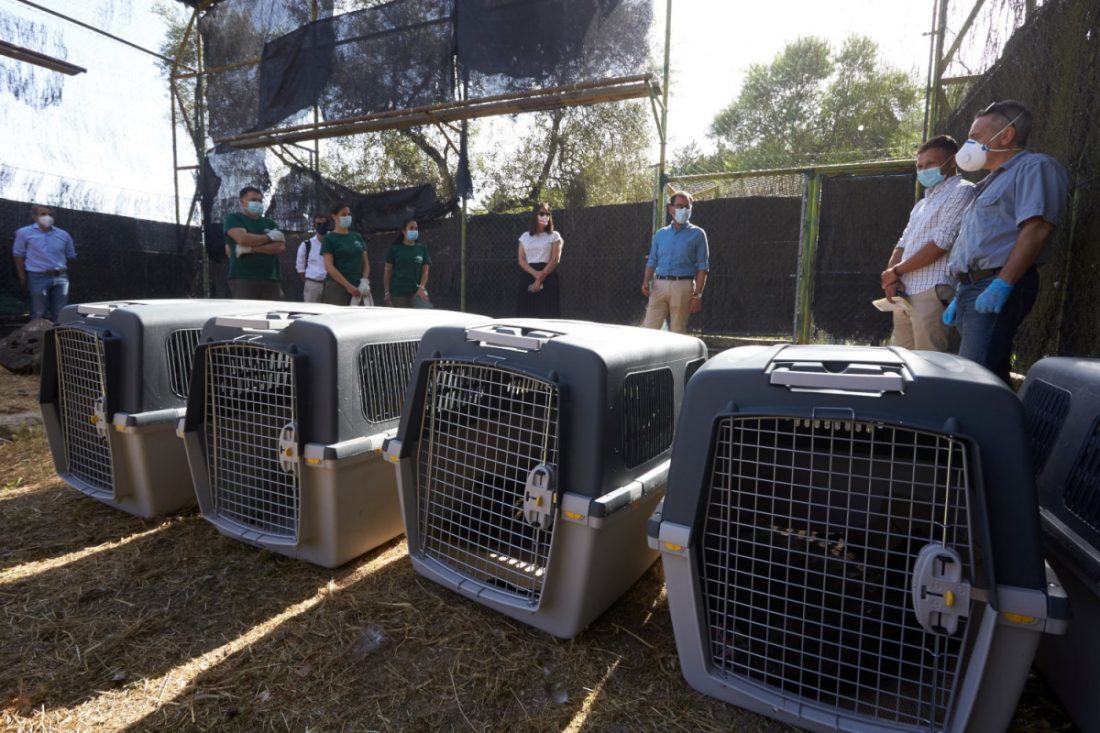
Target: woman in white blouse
{"x": 539, "y": 255}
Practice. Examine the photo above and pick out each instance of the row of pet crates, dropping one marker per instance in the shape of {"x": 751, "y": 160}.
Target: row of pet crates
{"x": 850, "y": 536}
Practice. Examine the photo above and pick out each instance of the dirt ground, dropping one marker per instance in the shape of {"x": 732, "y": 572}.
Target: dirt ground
{"x": 112, "y": 623}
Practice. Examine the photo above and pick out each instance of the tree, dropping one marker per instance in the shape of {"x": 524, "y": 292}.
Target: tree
{"x": 811, "y": 105}
{"x": 574, "y": 157}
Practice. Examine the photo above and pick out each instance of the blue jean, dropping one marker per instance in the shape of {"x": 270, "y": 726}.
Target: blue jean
{"x": 49, "y": 294}
{"x": 987, "y": 337}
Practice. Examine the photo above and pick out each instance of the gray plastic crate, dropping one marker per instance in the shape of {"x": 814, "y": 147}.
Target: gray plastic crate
{"x": 850, "y": 540}
{"x": 115, "y": 377}
{"x": 285, "y": 425}
{"x": 530, "y": 456}
{"x": 1061, "y": 398}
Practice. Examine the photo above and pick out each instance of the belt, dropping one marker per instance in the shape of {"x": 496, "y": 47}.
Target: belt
{"x": 974, "y": 276}
{"x": 310, "y": 279}
{"x": 675, "y": 277}
{"x": 54, "y": 272}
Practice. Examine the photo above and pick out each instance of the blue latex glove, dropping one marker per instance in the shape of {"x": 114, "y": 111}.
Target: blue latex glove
{"x": 994, "y": 297}
{"x": 949, "y": 315}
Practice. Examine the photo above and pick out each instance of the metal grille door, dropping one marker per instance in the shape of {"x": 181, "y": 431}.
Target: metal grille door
{"x": 384, "y": 371}
{"x": 84, "y": 422}
{"x": 484, "y": 431}
{"x": 1045, "y": 409}
{"x": 1082, "y": 493}
{"x": 251, "y": 414}
{"x": 648, "y": 415}
{"x": 812, "y": 532}
{"x": 179, "y": 353}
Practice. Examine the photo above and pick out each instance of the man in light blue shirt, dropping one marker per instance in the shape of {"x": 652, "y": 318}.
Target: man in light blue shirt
{"x": 1003, "y": 234}
{"x": 676, "y": 271}
{"x": 42, "y": 253}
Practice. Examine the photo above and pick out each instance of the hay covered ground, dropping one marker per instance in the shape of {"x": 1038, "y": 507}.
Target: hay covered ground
{"x": 112, "y": 623}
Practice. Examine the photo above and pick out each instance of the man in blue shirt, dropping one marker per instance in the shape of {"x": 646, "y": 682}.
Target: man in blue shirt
{"x": 42, "y": 253}
{"x": 1003, "y": 233}
{"x": 676, "y": 271}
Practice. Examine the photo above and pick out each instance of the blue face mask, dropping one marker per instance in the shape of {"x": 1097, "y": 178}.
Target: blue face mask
{"x": 255, "y": 207}
{"x": 412, "y": 235}
{"x": 345, "y": 221}
{"x": 930, "y": 177}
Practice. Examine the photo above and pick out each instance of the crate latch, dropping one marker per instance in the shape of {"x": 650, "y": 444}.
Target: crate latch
{"x": 538, "y": 497}
{"x": 99, "y": 417}
{"x": 288, "y": 448}
{"x": 940, "y": 596}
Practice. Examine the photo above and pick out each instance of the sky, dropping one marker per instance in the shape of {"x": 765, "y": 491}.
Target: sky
{"x": 110, "y": 134}
{"x": 715, "y": 41}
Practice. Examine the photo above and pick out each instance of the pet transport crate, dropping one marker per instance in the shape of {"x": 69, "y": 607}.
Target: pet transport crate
{"x": 530, "y": 455}
{"x": 1061, "y": 398}
{"x": 115, "y": 377}
{"x": 850, "y": 540}
{"x": 285, "y": 424}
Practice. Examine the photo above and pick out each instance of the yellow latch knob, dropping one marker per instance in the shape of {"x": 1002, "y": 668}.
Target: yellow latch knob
{"x": 949, "y": 599}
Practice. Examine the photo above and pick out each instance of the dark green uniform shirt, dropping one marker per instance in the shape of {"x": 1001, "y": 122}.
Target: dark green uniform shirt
{"x": 253, "y": 266}
{"x": 408, "y": 261}
{"x": 347, "y": 254}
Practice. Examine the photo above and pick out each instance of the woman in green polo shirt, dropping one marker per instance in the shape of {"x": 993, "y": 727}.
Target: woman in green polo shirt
{"x": 406, "y": 275}
{"x": 345, "y": 255}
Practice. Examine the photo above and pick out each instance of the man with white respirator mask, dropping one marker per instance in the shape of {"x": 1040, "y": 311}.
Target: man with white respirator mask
{"x": 1003, "y": 235}
{"x": 676, "y": 270}
{"x": 42, "y": 253}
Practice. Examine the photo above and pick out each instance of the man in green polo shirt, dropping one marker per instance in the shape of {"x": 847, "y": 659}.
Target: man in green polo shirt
{"x": 253, "y": 244}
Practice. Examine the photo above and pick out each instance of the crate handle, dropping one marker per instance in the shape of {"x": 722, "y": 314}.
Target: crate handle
{"x": 869, "y": 379}
{"x": 510, "y": 336}
{"x": 940, "y": 596}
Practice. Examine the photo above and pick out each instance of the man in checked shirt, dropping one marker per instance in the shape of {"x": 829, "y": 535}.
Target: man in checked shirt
{"x": 917, "y": 269}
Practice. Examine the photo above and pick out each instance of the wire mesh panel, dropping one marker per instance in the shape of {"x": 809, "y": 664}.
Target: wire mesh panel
{"x": 649, "y": 415}
{"x": 384, "y": 371}
{"x": 179, "y": 351}
{"x": 251, "y": 414}
{"x": 812, "y": 531}
{"x": 1045, "y": 410}
{"x": 1082, "y": 495}
{"x": 484, "y": 430}
{"x": 82, "y": 390}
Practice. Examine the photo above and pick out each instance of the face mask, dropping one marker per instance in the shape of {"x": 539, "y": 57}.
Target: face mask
{"x": 255, "y": 207}
{"x": 412, "y": 235}
{"x": 345, "y": 221}
{"x": 544, "y": 218}
{"x": 45, "y": 221}
{"x": 681, "y": 215}
{"x": 930, "y": 177}
{"x": 321, "y": 227}
{"x": 972, "y": 155}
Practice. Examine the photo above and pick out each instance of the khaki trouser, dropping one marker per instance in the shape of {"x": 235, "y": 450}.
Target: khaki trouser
{"x": 669, "y": 299}
{"x": 922, "y": 327}
{"x": 313, "y": 290}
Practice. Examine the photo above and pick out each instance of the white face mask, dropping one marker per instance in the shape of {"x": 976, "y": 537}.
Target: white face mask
{"x": 972, "y": 155}
{"x": 345, "y": 221}
{"x": 681, "y": 215}
{"x": 45, "y": 221}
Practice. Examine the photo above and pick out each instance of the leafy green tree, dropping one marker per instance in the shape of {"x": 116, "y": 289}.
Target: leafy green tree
{"x": 814, "y": 105}
{"x": 573, "y": 157}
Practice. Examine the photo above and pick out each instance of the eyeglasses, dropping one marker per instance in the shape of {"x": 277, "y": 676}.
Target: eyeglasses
{"x": 544, "y": 214}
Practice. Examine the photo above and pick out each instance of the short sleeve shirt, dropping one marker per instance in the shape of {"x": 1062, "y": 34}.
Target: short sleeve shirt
{"x": 1027, "y": 185}
{"x": 408, "y": 262}
{"x": 254, "y": 266}
{"x": 935, "y": 218}
{"x": 538, "y": 247}
{"x": 347, "y": 254}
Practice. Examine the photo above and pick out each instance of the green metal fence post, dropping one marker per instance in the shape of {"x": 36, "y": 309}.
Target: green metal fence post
{"x": 807, "y": 251}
